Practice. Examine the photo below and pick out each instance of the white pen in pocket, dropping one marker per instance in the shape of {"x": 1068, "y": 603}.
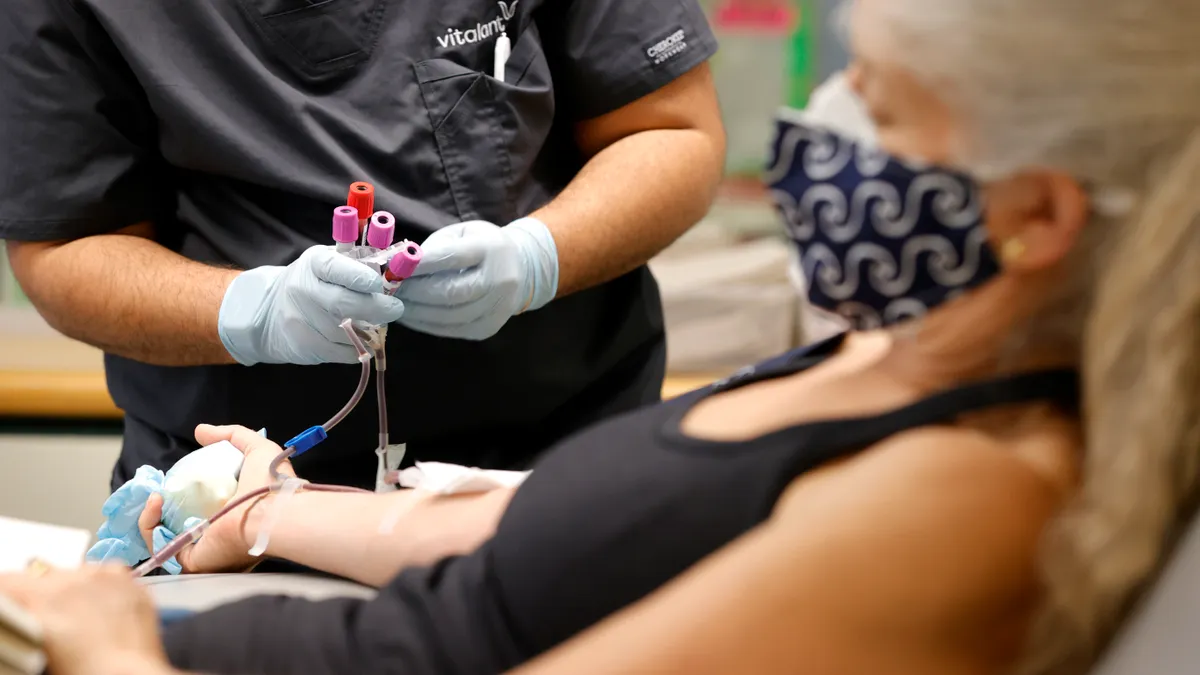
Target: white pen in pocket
{"x": 503, "y": 51}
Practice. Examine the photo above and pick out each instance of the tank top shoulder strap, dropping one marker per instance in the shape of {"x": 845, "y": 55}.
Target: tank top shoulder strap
{"x": 835, "y": 437}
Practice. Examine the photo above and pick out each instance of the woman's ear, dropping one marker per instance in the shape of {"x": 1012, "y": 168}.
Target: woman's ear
{"x": 1036, "y": 220}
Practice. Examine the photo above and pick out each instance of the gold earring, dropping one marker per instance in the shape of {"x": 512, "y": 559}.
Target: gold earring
{"x": 1012, "y": 250}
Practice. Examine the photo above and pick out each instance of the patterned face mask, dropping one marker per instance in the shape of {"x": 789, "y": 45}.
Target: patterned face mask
{"x": 880, "y": 240}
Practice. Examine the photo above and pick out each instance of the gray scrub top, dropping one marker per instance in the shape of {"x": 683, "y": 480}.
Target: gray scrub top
{"x": 236, "y": 126}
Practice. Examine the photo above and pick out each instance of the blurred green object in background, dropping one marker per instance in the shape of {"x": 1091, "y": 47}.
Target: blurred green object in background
{"x": 6, "y": 280}
{"x": 752, "y": 72}
{"x": 803, "y": 49}
{"x": 772, "y": 54}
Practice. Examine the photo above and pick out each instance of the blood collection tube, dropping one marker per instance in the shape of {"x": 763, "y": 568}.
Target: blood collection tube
{"x": 382, "y": 230}
{"x": 403, "y": 264}
{"x": 362, "y": 198}
{"x": 345, "y": 228}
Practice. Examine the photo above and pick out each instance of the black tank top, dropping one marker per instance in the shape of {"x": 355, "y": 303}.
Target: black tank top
{"x": 606, "y": 518}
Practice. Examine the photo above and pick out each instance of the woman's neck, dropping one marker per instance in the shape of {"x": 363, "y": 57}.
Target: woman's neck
{"x": 981, "y": 335}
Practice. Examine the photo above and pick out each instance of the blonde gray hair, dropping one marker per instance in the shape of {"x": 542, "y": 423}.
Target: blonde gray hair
{"x": 1108, "y": 91}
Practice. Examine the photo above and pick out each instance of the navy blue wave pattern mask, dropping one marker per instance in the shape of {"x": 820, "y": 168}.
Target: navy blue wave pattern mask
{"x": 881, "y": 240}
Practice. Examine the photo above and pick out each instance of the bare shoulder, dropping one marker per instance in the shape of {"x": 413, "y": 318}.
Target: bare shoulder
{"x": 956, "y": 513}
{"x": 955, "y": 463}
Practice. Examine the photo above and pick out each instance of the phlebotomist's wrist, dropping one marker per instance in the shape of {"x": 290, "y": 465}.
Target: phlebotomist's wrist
{"x": 539, "y": 254}
{"x": 238, "y": 322}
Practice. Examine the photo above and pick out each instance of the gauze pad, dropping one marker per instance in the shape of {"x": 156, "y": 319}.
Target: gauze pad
{"x": 198, "y": 485}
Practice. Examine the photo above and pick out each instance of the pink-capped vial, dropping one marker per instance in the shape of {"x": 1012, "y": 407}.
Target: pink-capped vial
{"x": 345, "y": 228}
{"x": 381, "y": 230}
{"x": 404, "y": 263}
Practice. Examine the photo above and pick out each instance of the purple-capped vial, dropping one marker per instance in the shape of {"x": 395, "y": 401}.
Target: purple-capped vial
{"x": 345, "y": 228}
{"x": 381, "y": 230}
{"x": 404, "y": 263}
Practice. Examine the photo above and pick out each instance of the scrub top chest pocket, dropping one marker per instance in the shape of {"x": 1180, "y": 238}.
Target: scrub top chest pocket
{"x": 319, "y": 38}
{"x": 488, "y": 131}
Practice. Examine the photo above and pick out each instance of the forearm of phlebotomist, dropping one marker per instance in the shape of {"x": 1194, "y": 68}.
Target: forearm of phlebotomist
{"x": 128, "y": 295}
{"x": 653, "y": 172}
{"x": 371, "y": 537}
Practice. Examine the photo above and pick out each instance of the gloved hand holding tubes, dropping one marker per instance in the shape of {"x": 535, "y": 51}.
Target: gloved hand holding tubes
{"x": 475, "y": 276}
{"x": 293, "y": 314}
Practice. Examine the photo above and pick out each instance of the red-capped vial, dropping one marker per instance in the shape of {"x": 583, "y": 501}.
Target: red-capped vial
{"x": 362, "y": 198}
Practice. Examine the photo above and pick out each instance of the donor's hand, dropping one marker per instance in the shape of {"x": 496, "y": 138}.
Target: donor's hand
{"x": 225, "y": 546}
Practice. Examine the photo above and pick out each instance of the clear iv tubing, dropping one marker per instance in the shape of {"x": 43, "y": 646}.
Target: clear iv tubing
{"x": 193, "y": 534}
{"x": 364, "y": 357}
{"x": 381, "y": 395}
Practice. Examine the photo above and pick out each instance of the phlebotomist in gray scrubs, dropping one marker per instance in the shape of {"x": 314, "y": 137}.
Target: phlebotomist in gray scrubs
{"x": 168, "y": 168}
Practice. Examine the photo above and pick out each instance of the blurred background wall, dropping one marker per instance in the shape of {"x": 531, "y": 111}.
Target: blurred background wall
{"x": 725, "y": 286}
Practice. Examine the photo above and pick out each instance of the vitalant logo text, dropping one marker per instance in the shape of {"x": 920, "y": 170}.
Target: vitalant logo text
{"x": 668, "y": 48}
{"x": 456, "y": 37}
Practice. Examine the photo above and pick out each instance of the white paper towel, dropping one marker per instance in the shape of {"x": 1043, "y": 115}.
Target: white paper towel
{"x": 450, "y": 479}
{"x": 22, "y": 542}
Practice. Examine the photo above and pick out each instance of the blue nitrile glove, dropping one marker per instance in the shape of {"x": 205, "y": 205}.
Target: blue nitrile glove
{"x": 293, "y": 314}
{"x": 475, "y": 276}
{"x": 119, "y": 538}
